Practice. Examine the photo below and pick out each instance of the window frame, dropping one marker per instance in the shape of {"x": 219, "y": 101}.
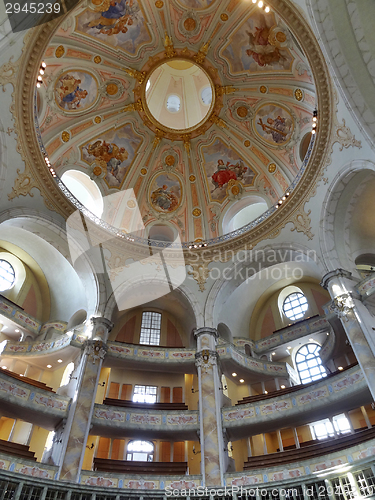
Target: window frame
{"x": 10, "y": 270}
{"x": 300, "y": 315}
{"x": 150, "y": 454}
{"x": 146, "y": 392}
{"x": 153, "y": 331}
{"x": 310, "y": 356}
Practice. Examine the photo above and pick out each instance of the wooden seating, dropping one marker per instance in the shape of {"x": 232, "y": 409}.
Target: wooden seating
{"x": 145, "y": 406}
{"x": 27, "y": 380}
{"x": 127, "y": 466}
{"x": 308, "y": 451}
{"x": 15, "y": 449}
{"x": 287, "y": 390}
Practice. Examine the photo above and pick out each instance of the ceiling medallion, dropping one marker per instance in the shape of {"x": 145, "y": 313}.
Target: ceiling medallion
{"x": 197, "y": 212}
{"x": 97, "y": 119}
{"x": 272, "y": 168}
{"x": 224, "y": 17}
{"x": 60, "y": 51}
{"x": 143, "y": 171}
{"x": 97, "y": 59}
{"x": 298, "y": 94}
{"x": 263, "y": 89}
{"x": 191, "y": 59}
{"x": 159, "y": 4}
{"x": 246, "y": 143}
{"x": 192, "y": 178}
{"x": 65, "y": 136}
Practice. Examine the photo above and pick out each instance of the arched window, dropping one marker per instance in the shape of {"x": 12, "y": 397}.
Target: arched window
{"x": 309, "y": 364}
{"x": 173, "y": 103}
{"x": 295, "y": 306}
{"x": 7, "y": 275}
{"x": 141, "y": 451}
{"x": 150, "y": 328}
{"x": 206, "y": 95}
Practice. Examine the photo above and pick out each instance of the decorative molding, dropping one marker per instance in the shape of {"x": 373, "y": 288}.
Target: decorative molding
{"x": 344, "y": 136}
{"x": 200, "y": 273}
{"x": 23, "y": 184}
{"x": 302, "y": 222}
{"x": 95, "y": 350}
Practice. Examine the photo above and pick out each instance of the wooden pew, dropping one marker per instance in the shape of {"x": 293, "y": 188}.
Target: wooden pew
{"x": 15, "y": 449}
{"x": 130, "y": 467}
{"x": 27, "y": 380}
{"x": 310, "y": 450}
{"x": 145, "y": 406}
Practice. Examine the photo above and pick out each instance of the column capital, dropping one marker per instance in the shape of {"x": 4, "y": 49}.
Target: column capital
{"x": 337, "y": 273}
{"x": 95, "y": 350}
{"x": 206, "y": 330}
{"x": 99, "y": 320}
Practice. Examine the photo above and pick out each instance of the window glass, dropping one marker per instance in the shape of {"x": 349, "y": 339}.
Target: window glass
{"x": 150, "y": 328}
{"x": 142, "y": 451}
{"x": 7, "y": 275}
{"x": 173, "y": 103}
{"x": 144, "y": 394}
{"x": 206, "y": 95}
{"x": 309, "y": 364}
{"x": 295, "y": 306}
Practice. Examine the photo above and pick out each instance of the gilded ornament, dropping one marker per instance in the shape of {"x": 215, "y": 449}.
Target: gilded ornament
{"x": 131, "y": 203}
{"x": 192, "y": 178}
{"x": 170, "y": 160}
{"x": 201, "y": 56}
{"x": 159, "y": 4}
{"x": 138, "y": 75}
{"x": 235, "y": 190}
{"x": 65, "y": 136}
{"x": 97, "y": 119}
{"x": 168, "y": 45}
{"x": 263, "y": 89}
{"x": 272, "y": 168}
{"x": 112, "y": 89}
{"x": 97, "y": 170}
{"x": 242, "y": 111}
{"x": 247, "y": 143}
{"x": 280, "y": 37}
{"x": 298, "y": 94}
{"x": 224, "y": 17}
{"x": 60, "y": 51}
{"x": 97, "y": 59}
{"x": 190, "y": 24}
{"x": 143, "y": 171}
{"x": 197, "y": 212}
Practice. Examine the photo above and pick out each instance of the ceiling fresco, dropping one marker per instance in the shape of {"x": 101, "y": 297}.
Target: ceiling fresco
{"x": 93, "y": 115}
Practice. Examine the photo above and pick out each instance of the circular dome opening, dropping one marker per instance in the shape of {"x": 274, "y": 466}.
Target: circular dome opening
{"x": 179, "y": 95}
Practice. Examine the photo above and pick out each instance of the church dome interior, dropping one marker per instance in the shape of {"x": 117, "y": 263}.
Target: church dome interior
{"x": 187, "y": 250}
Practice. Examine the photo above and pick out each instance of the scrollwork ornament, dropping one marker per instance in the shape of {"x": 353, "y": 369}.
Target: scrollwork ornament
{"x": 206, "y": 359}
{"x": 95, "y": 350}
{"x": 200, "y": 273}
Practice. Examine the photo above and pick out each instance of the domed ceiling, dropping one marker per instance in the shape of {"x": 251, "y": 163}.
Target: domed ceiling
{"x": 197, "y": 109}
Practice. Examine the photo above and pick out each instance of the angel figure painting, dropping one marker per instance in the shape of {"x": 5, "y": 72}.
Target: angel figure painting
{"x": 165, "y": 193}
{"x": 223, "y": 165}
{"x": 253, "y": 47}
{"x": 113, "y": 153}
{"x": 117, "y": 22}
{"x": 274, "y": 124}
{"x": 75, "y": 91}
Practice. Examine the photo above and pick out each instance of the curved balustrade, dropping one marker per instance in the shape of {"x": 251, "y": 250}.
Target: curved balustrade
{"x": 312, "y": 403}
{"x": 272, "y": 369}
{"x": 36, "y": 405}
{"x": 367, "y": 286}
{"x": 123, "y": 422}
{"x": 309, "y": 326}
{"x": 25, "y": 320}
{"x": 35, "y": 348}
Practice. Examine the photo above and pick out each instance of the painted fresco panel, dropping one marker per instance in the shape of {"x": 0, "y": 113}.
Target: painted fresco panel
{"x": 224, "y": 166}
{"x": 257, "y": 45}
{"x": 113, "y": 152}
{"x": 75, "y": 91}
{"x": 120, "y": 24}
